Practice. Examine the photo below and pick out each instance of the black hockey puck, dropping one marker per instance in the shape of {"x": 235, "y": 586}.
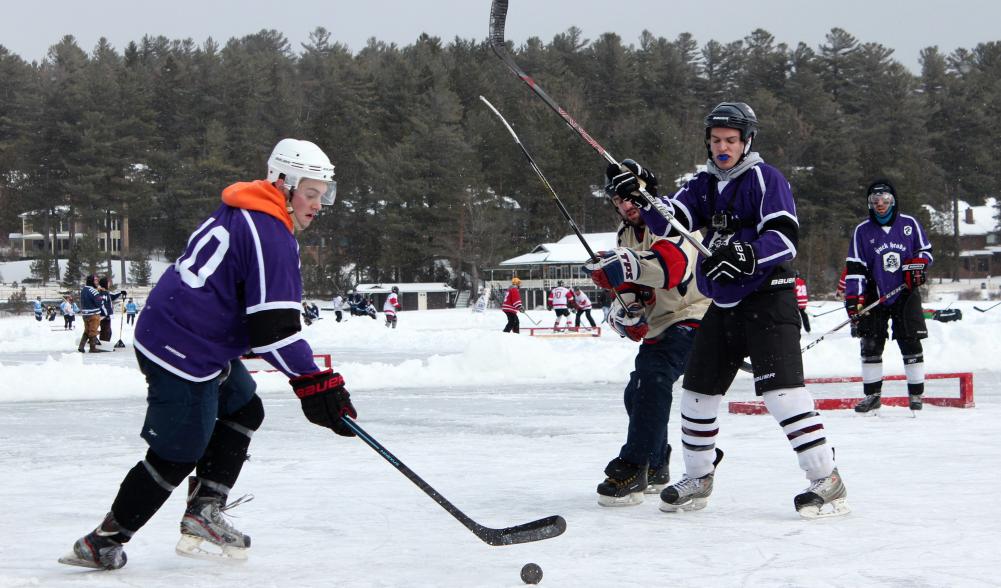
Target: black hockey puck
{"x": 531, "y": 573}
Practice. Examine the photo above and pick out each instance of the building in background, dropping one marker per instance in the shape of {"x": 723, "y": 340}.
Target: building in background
{"x": 52, "y": 227}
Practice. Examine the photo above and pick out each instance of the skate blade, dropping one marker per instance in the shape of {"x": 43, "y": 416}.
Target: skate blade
{"x": 838, "y": 507}
{"x": 628, "y": 500}
{"x": 693, "y": 504}
{"x": 654, "y": 488}
{"x": 872, "y": 413}
{"x": 192, "y": 546}
{"x": 71, "y": 559}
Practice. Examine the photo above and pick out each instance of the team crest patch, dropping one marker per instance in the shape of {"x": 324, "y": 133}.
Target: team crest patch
{"x": 907, "y": 230}
{"x": 891, "y": 262}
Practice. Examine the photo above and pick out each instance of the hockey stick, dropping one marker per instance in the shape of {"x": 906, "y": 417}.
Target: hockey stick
{"x": 546, "y": 528}
{"x": 988, "y": 308}
{"x": 121, "y": 325}
{"x": 529, "y": 317}
{"x": 498, "y": 16}
{"x": 826, "y": 312}
{"x": 862, "y": 312}
{"x": 559, "y": 203}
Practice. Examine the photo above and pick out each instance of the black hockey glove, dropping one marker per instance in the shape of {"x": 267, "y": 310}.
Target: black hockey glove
{"x": 325, "y": 401}
{"x": 730, "y": 262}
{"x": 623, "y": 180}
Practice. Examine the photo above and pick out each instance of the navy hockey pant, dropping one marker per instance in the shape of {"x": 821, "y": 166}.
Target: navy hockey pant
{"x": 649, "y": 393}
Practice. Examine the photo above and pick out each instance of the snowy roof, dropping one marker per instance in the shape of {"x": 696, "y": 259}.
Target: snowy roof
{"x": 566, "y": 250}
{"x": 386, "y": 287}
{"x": 984, "y": 218}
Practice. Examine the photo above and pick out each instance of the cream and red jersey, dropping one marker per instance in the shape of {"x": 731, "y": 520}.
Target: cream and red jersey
{"x": 582, "y": 301}
{"x": 667, "y": 266}
{"x": 801, "y": 296}
{"x": 558, "y": 297}
{"x": 392, "y": 304}
{"x": 841, "y": 283}
{"x": 512, "y": 300}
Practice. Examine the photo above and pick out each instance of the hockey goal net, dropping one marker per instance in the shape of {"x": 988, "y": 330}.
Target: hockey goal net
{"x": 964, "y": 400}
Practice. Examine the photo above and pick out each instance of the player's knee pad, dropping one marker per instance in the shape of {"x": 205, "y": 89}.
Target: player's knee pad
{"x": 168, "y": 474}
{"x": 872, "y": 349}
{"x": 911, "y": 350}
{"x": 249, "y": 418}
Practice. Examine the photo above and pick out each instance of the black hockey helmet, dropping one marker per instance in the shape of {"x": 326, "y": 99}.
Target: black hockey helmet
{"x": 882, "y": 188}
{"x": 396, "y": 289}
{"x": 733, "y": 115}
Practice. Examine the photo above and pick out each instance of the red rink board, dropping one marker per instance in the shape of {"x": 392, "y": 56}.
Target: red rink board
{"x": 257, "y": 364}
{"x": 965, "y": 399}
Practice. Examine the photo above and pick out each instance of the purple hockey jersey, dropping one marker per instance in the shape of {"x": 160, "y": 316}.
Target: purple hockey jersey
{"x": 878, "y": 253}
{"x": 236, "y": 287}
{"x": 762, "y": 199}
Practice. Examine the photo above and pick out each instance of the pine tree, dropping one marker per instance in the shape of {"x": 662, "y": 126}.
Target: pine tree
{"x": 140, "y": 269}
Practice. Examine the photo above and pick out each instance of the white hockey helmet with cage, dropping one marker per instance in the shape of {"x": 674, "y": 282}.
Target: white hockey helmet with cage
{"x": 293, "y": 160}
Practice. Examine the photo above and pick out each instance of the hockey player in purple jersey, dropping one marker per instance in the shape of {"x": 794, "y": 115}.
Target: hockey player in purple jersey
{"x": 236, "y": 288}
{"x": 888, "y": 250}
{"x": 747, "y": 209}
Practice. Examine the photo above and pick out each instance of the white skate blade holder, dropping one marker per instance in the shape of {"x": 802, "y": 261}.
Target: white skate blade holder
{"x": 654, "y": 488}
{"x": 199, "y": 548}
{"x": 631, "y": 499}
{"x": 71, "y": 559}
{"x": 836, "y": 508}
{"x": 693, "y": 504}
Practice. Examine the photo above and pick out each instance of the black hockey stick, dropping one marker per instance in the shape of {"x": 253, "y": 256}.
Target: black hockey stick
{"x": 862, "y": 312}
{"x": 498, "y": 16}
{"x": 546, "y": 528}
{"x": 988, "y": 308}
{"x": 121, "y": 325}
{"x": 826, "y": 312}
{"x": 559, "y": 203}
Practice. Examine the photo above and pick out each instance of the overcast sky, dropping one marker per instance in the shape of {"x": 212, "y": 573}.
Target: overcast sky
{"x": 29, "y": 28}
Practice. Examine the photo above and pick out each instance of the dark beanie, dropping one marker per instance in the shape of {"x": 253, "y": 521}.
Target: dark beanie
{"x": 880, "y": 186}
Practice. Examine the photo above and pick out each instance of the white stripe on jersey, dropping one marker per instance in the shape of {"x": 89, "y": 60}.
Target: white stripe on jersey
{"x": 260, "y": 254}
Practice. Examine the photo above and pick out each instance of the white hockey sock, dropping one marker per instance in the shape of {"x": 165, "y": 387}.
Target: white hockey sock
{"x": 872, "y": 372}
{"x": 794, "y": 410}
{"x": 698, "y": 431}
{"x": 915, "y": 372}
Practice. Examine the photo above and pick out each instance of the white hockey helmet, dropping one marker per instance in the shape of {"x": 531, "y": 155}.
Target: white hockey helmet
{"x": 295, "y": 159}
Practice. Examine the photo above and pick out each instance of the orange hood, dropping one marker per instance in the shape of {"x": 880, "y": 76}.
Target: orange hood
{"x": 259, "y": 195}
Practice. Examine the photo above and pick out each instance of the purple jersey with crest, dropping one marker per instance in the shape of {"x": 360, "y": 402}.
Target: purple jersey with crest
{"x": 762, "y": 199}
{"x": 878, "y": 253}
{"x": 199, "y": 316}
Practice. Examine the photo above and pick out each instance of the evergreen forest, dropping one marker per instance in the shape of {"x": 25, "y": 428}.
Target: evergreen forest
{"x": 428, "y": 179}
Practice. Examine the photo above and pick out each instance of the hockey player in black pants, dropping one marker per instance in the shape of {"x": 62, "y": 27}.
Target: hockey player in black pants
{"x": 747, "y": 208}
{"x": 887, "y": 250}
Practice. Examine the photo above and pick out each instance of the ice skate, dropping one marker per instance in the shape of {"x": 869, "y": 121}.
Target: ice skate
{"x": 657, "y": 479}
{"x": 826, "y": 497}
{"x": 205, "y": 532}
{"x": 914, "y": 402}
{"x": 624, "y": 485}
{"x": 98, "y": 549}
{"x": 689, "y": 493}
{"x": 869, "y": 405}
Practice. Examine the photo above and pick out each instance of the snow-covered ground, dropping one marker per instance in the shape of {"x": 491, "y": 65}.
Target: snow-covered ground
{"x": 510, "y": 429}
